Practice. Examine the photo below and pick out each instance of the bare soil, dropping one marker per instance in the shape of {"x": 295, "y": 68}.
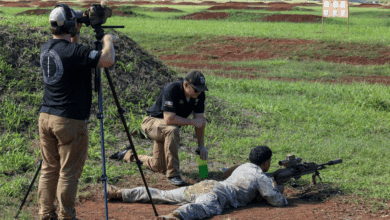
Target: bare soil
{"x": 47, "y": 4}
{"x": 293, "y": 18}
{"x": 35, "y": 12}
{"x": 306, "y": 202}
{"x": 166, "y": 9}
{"x": 13, "y": 4}
{"x": 206, "y": 16}
{"x": 366, "y": 5}
{"x": 246, "y": 48}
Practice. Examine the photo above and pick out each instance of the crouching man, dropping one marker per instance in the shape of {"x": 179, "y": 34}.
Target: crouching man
{"x": 163, "y": 121}
{"x": 209, "y": 197}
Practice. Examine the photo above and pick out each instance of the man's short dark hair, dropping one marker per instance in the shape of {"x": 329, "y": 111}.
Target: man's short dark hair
{"x": 260, "y": 154}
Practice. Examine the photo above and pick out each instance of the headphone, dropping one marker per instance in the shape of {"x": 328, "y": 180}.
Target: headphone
{"x": 69, "y": 24}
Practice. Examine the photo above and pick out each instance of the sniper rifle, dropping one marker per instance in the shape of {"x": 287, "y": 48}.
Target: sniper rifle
{"x": 294, "y": 168}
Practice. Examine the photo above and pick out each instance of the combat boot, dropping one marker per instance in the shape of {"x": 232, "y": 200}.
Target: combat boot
{"x": 113, "y": 193}
{"x": 171, "y": 216}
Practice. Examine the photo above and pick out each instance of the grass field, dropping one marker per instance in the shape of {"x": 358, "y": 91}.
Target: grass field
{"x": 316, "y": 121}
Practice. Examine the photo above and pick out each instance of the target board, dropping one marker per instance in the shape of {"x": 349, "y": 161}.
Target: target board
{"x": 335, "y": 8}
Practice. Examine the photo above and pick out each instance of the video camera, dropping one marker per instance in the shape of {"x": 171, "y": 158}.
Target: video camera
{"x": 96, "y": 15}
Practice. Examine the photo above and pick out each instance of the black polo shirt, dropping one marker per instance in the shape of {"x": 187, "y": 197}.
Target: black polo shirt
{"x": 172, "y": 99}
{"x": 68, "y": 79}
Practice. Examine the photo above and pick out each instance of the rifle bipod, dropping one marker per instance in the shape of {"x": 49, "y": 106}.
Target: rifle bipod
{"x": 313, "y": 179}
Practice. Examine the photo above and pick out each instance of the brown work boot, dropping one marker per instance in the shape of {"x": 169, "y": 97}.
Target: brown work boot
{"x": 51, "y": 216}
{"x": 129, "y": 156}
{"x": 113, "y": 192}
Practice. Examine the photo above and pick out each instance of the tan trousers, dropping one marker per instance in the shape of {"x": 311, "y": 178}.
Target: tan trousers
{"x": 165, "y": 150}
{"x": 64, "y": 148}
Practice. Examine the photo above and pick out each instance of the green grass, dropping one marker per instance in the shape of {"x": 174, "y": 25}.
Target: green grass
{"x": 312, "y": 70}
{"x": 318, "y": 122}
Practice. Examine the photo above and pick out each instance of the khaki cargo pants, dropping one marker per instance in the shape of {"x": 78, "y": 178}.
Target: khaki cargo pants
{"x": 165, "y": 150}
{"x": 64, "y": 148}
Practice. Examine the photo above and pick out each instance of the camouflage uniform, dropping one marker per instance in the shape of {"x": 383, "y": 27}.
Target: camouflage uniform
{"x": 209, "y": 197}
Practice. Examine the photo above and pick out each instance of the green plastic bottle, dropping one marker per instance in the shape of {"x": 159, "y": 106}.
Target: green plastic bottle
{"x": 203, "y": 170}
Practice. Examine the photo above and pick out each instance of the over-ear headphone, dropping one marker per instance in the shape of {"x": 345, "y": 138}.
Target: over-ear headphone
{"x": 69, "y": 24}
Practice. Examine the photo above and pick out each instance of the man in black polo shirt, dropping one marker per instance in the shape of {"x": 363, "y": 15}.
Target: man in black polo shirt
{"x": 163, "y": 121}
{"x": 65, "y": 109}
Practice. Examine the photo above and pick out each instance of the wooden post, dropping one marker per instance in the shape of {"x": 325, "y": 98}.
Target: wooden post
{"x": 348, "y": 20}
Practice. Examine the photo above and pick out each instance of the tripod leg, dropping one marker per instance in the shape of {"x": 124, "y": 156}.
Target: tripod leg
{"x": 121, "y": 111}
{"x": 29, "y": 189}
{"x": 100, "y": 116}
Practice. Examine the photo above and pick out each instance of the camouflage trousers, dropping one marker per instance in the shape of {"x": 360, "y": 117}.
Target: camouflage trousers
{"x": 64, "y": 148}
{"x": 165, "y": 150}
{"x": 198, "y": 201}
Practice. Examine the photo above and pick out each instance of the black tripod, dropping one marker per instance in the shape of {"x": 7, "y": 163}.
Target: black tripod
{"x": 99, "y": 34}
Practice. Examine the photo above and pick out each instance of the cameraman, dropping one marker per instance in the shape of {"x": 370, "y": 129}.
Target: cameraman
{"x": 65, "y": 110}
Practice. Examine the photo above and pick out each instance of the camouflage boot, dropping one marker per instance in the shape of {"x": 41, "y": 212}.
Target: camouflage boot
{"x": 171, "y": 216}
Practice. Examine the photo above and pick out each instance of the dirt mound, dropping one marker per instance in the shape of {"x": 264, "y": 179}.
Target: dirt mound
{"x": 166, "y": 9}
{"x": 256, "y": 8}
{"x": 281, "y": 7}
{"x": 35, "y": 12}
{"x": 69, "y": 3}
{"x": 209, "y": 3}
{"x": 120, "y": 13}
{"x": 186, "y": 3}
{"x": 118, "y": 3}
{"x": 91, "y": 2}
{"x": 278, "y": 3}
{"x": 306, "y": 4}
{"x": 229, "y": 5}
{"x": 293, "y": 18}
{"x": 366, "y": 5}
{"x": 221, "y": 7}
{"x": 135, "y": 70}
{"x": 13, "y": 4}
{"x": 47, "y": 4}
{"x": 163, "y": 3}
{"x": 206, "y": 16}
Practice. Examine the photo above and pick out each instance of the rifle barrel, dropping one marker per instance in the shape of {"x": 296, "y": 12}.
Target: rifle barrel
{"x": 332, "y": 162}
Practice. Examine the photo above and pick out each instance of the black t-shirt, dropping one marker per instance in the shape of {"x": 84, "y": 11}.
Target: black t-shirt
{"x": 172, "y": 99}
{"x": 67, "y": 77}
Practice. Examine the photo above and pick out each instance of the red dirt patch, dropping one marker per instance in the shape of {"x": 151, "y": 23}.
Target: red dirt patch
{"x": 201, "y": 66}
{"x": 366, "y": 5}
{"x": 293, "y": 18}
{"x": 234, "y": 49}
{"x": 206, "y": 16}
{"x": 47, "y": 4}
{"x": 119, "y": 13}
{"x": 165, "y": 9}
{"x": 35, "y": 12}
{"x": 313, "y": 205}
{"x": 256, "y": 8}
{"x": 13, "y": 4}
{"x": 385, "y": 80}
{"x": 91, "y": 2}
{"x": 225, "y": 7}
{"x": 186, "y": 3}
{"x": 118, "y": 3}
{"x": 281, "y": 7}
